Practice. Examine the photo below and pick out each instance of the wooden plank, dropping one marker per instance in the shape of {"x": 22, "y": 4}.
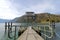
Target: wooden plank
{"x": 30, "y": 34}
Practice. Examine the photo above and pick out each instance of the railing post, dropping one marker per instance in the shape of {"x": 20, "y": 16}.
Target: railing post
{"x": 53, "y": 25}
{"x": 44, "y": 32}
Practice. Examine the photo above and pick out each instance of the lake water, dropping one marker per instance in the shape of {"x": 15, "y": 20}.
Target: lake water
{"x": 57, "y": 31}
{"x": 2, "y": 30}
{"x": 4, "y": 36}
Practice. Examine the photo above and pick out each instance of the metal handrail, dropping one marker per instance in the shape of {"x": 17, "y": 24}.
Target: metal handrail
{"x": 50, "y": 30}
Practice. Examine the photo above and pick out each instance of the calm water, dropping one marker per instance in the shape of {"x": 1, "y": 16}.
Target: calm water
{"x": 4, "y": 36}
{"x": 2, "y": 31}
{"x": 57, "y": 31}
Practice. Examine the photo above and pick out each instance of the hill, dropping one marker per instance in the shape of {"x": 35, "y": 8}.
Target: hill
{"x": 38, "y": 17}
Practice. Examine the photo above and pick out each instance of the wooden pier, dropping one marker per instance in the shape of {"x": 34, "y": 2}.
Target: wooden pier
{"x": 30, "y": 34}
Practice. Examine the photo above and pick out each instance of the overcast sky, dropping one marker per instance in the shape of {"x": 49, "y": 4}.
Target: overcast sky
{"x": 10, "y": 9}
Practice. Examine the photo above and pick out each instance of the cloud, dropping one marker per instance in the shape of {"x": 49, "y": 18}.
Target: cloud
{"x": 10, "y": 9}
{"x": 22, "y": 6}
{"x": 44, "y": 7}
{"x": 6, "y": 12}
{"x": 33, "y": 5}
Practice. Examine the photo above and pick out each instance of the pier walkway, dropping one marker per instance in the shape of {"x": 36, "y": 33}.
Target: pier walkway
{"x": 30, "y": 34}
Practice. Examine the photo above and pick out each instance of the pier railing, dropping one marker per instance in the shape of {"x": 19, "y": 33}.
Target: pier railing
{"x": 13, "y": 30}
{"x": 46, "y": 30}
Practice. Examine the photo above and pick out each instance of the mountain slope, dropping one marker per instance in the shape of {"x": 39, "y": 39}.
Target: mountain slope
{"x": 40, "y": 17}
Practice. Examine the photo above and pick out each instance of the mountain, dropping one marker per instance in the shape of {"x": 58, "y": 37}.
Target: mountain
{"x": 14, "y": 20}
{"x": 4, "y": 20}
{"x": 38, "y": 17}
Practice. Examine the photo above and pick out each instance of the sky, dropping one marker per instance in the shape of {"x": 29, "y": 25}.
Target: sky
{"x": 9, "y": 9}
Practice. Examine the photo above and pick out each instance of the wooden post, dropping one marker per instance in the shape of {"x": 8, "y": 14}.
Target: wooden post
{"x": 11, "y": 26}
{"x": 5, "y": 27}
{"x": 15, "y": 34}
{"x": 8, "y": 29}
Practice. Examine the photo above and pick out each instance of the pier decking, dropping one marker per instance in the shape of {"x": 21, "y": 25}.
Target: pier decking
{"x": 30, "y": 34}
